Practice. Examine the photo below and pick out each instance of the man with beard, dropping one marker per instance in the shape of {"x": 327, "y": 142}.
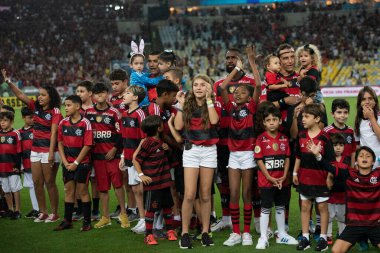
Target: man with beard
{"x": 154, "y": 72}
{"x": 241, "y": 78}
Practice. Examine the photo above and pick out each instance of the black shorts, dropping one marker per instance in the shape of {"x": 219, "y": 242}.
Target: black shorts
{"x": 353, "y": 234}
{"x": 270, "y": 195}
{"x": 80, "y": 175}
{"x": 155, "y": 200}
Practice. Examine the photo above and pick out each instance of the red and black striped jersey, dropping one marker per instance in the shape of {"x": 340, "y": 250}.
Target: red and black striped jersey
{"x": 131, "y": 132}
{"x": 10, "y": 152}
{"x": 106, "y": 128}
{"x": 164, "y": 113}
{"x": 26, "y": 146}
{"x": 117, "y": 102}
{"x": 349, "y": 136}
{"x": 241, "y": 132}
{"x": 311, "y": 177}
{"x": 74, "y": 136}
{"x": 293, "y": 90}
{"x": 337, "y": 195}
{"x": 272, "y": 78}
{"x": 43, "y": 119}
{"x": 272, "y": 151}
{"x": 314, "y": 73}
{"x": 225, "y": 118}
{"x": 199, "y": 134}
{"x": 154, "y": 164}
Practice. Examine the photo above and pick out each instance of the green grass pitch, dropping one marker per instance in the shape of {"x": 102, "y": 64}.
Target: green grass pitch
{"x": 25, "y": 236}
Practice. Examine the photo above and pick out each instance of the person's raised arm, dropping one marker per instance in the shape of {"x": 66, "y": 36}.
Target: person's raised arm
{"x": 212, "y": 113}
{"x": 224, "y": 84}
{"x": 178, "y": 138}
{"x": 178, "y": 120}
{"x": 369, "y": 113}
{"x": 251, "y": 53}
{"x": 18, "y": 93}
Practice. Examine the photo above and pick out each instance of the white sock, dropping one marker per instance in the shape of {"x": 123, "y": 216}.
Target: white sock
{"x": 264, "y": 221}
{"x": 329, "y": 229}
{"x": 126, "y": 205}
{"x": 33, "y": 199}
{"x": 341, "y": 227}
{"x": 324, "y": 236}
{"x": 280, "y": 220}
{"x": 307, "y": 235}
{"x": 160, "y": 221}
{"x": 177, "y": 217}
{"x": 155, "y": 221}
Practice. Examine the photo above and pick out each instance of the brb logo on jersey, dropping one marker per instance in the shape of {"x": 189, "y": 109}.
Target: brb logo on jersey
{"x": 102, "y": 134}
{"x": 271, "y": 163}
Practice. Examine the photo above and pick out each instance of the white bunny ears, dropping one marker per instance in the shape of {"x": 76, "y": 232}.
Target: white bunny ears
{"x": 137, "y": 50}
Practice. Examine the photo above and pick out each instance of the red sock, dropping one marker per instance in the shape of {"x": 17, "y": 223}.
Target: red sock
{"x": 235, "y": 217}
{"x": 247, "y": 217}
{"x": 149, "y": 217}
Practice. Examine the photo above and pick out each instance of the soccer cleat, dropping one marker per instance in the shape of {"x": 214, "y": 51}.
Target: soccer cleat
{"x": 95, "y": 216}
{"x": 317, "y": 233}
{"x": 104, "y": 221}
{"x": 246, "y": 239}
{"x": 115, "y": 214}
{"x": 77, "y": 217}
{"x": 199, "y": 236}
{"x": 321, "y": 245}
{"x": 233, "y": 240}
{"x": 262, "y": 243}
{"x": 41, "y": 217}
{"x": 133, "y": 217}
{"x": 140, "y": 223}
{"x": 52, "y": 218}
{"x": 86, "y": 226}
{"x": 32, "y": 214}
{"x": 124, "y": 221}
{"x": 64, "y": 225}
{"x": 140, "y": 227}
{"x": 329, "y": 240}
{"x": 172, "y": 235}
{"x": 185, "y": 242}
{"x": 15, "y": 215}
{"x": 150, "y": 240}
{"x": 270, "y": 233}
{"x": 220, "y": 225}
{"x": 6, "y": 214}
{"x": 286, "y": 239}
{"x": 206, "y": 240}
{"x": 304, "y": 244}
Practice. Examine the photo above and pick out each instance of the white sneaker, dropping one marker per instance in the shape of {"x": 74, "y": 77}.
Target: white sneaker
{"x": 139, "y": 224}
{"x": 141, "y": 229}
{"x": 270, "y": 233}
{"x": 233, "y": 240}
{"x": 262, "y": 243}
{"x": 257, "y": 224}
{"x": 220, "y": 225}
{"x": 286, "y": 239}
{"x": 247, "y": 239}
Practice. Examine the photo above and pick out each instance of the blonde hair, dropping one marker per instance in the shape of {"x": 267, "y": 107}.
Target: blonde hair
{"x": 316, "y": 59}
{"x": 191, "y": 104}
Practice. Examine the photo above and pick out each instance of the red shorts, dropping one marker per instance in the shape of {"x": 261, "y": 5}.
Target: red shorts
{"x": 107, "y": 172}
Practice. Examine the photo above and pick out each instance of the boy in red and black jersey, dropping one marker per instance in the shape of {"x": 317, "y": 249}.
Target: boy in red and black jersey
{"x": 75, "y": 140}
{"x": 272, "y": 153}
{"x": 106, "y": 154}
{"x": 362, "y": 186}
{"x": 26, "y": 133}
{"x": 337, "y": 198}
{"x": 309, "y": 177}
{"x": 132, "y": 136}
{"x": 119, "y": 81}
{"x": 10, "y": 164}
{"x": 152, "y": 166}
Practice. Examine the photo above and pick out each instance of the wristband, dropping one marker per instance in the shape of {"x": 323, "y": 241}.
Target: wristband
{"x": 295, "y": 174}
{"x": 180, "y": 110}
{"x": 141, "y": 174}
{"x": 76, "y": 163}
{"x": 237, "y": 68}
{"x": 210, "y": 106}
{"x": 319, "y": 158}
{"x": 209, "y": 102}
{"x": 8, "y": 80}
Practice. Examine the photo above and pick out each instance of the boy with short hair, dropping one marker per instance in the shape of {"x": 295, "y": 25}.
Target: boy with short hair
{"x": 75, "y": 140}
{"x": 10, "y": 164}
{"x": 337, "y": 198}
{"x": 309, "y": 177}
{"x": 119, "y": 82}
{"x": 84, "y": 91}
{"x": 340, "y": 110}
{"x": 132, "y": 135}
{"x": 175, "y": 75}
{"x": 26, "y": 133}
{"x": 272, "y": 153}
{"x": 153, "y": 169}
{"x": 105, "y": 122}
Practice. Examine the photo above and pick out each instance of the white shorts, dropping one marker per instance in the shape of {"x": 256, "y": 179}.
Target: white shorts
{"x": 133, "y": 177}
{"x": 241, "y": 160}
{"x": 200, "y": 156}
{"x": 317, "y": 199}
{"x": 11, "y": 183}
{"x": 43, "y": 157}
{"x": 28, "y": 180}
{"x": 337, "y": 211}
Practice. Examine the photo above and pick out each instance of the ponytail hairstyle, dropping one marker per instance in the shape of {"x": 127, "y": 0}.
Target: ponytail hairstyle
{"x": 191, "y": 105}
{"x": 315, "y": 54}
{"x": 359, "y": 108}
{"x": 168, "y": 56}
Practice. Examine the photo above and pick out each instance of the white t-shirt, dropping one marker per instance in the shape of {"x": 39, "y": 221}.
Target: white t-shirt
{"x": 368, "y": 138}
